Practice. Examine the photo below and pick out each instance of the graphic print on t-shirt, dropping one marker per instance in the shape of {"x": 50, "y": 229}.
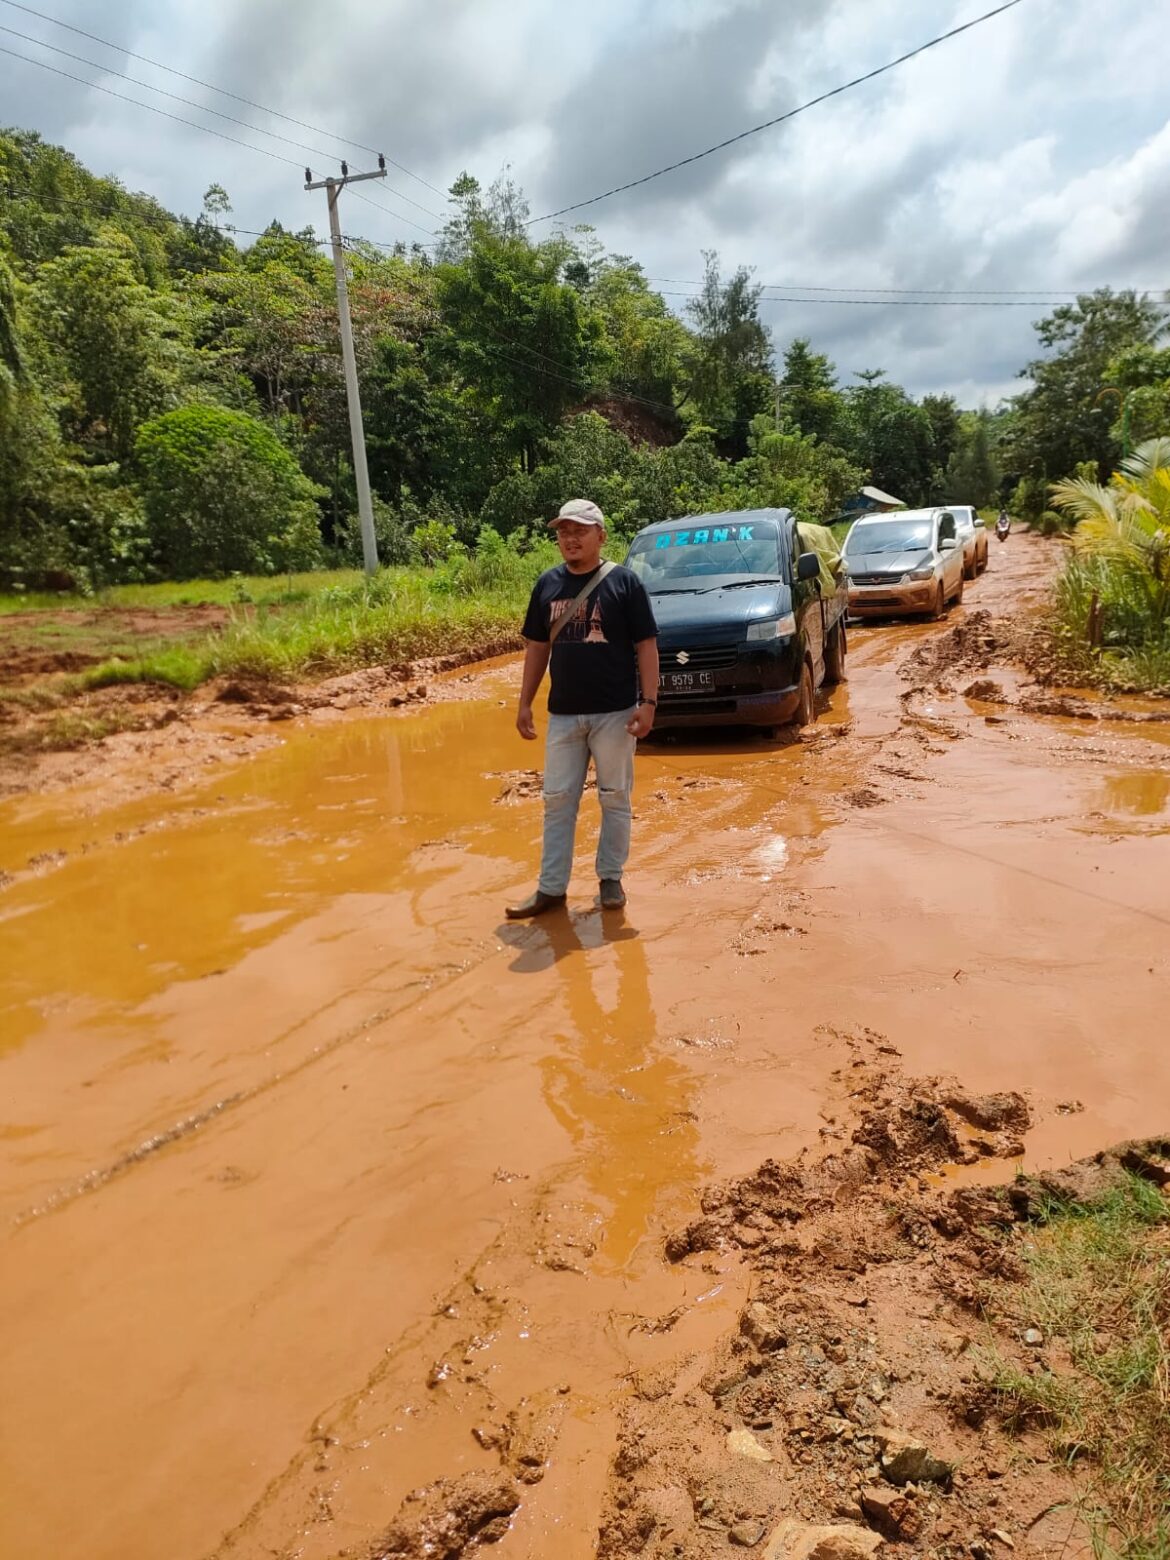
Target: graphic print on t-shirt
{"x": 584, "y": 628}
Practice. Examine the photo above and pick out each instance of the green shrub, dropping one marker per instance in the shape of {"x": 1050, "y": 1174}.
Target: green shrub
{"x": 391, "y": 534}
{"x": 222, "y": 495}
{"x": 435, "y": 541}
{"x": 497, "y": 566}
{"x": 1029, "y": 500}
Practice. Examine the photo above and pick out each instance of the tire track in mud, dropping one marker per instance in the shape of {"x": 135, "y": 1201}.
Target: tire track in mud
{"x": 145, "y": 1151}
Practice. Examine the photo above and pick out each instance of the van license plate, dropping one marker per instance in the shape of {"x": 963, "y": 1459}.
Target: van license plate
{"x": 679, "y": 682}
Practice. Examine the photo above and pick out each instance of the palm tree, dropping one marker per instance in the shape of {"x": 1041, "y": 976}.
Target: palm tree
{"x": 1127, "y": 524}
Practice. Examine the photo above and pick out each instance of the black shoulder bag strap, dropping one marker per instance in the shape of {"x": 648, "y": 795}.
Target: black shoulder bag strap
{"x": 579, "y": 601}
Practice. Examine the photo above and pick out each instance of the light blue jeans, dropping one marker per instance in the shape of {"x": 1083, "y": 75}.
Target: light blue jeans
{"x": 572, "y": 740}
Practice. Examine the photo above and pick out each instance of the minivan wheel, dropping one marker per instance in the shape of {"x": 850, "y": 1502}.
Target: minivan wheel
{"x": 940, "y": 605}
{"x": 806, "y": 710}
{"x": 959, "y": 592}
{"x": 835, "y": 655}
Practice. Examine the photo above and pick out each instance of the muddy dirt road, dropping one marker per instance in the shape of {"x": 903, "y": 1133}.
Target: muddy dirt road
{"x": 310, "y": 1165}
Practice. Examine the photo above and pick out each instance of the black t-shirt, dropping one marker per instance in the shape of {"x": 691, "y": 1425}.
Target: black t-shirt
{"x": 593, "y": 668}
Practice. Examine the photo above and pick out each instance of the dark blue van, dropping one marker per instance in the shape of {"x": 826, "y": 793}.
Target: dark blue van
{"x": 751, "y": 618}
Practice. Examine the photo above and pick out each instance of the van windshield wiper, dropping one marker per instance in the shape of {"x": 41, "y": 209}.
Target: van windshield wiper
{"x": 763, "y": 579}
{"x": 678, "y": 590}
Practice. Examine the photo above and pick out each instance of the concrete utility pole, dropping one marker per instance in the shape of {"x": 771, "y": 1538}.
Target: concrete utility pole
{"x": 361, "y": 473}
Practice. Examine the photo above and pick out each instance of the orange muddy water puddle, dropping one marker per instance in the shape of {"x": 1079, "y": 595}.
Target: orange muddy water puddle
{"x": 295, "y": 1124}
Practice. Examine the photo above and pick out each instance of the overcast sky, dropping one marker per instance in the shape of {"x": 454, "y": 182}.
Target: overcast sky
{"x": 1032, "y": 152}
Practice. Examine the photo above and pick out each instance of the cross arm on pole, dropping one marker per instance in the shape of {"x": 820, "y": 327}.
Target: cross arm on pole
{"x": 349, "y": 178}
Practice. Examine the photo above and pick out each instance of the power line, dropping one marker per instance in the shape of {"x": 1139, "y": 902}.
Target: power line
{"x": 192, "y": 124}
{"x": 902, "y": 303}
{"x": 150, "y": 107}
{"x": 779, "y": 119}
{"x": 211, "y": 87}
{"x": 378, "y": 205}
{"x": 314, "y": 151}
{"x": 979, "y": 292}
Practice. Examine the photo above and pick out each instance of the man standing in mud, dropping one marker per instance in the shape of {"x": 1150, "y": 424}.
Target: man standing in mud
{"x": 592, "y": 622}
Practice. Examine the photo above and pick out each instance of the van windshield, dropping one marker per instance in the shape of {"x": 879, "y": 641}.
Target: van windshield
{"x": 665, "y": 560}
{"x": 892, "y": 536}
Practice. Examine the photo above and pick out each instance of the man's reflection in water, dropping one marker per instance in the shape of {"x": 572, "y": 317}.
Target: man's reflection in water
{"x": 607, "y": 1080}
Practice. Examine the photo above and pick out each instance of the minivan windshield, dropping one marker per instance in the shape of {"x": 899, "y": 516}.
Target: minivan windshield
{"x": 692, "y": 555}
{"x": 890, "y": 536}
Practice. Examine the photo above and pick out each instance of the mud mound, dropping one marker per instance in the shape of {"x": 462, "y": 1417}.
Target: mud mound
{"x": 447, "y": 1519}
{"x": 971, "y": 645}
{"x": 904, "y": 1131}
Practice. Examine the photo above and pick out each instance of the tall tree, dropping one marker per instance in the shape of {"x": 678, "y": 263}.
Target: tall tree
{"x": 523, "y": 343}
{"x": 1064, "y": 419}
{"x": 122, "y": 347}
{"x": 972, "y": 476}
{"x": 731, "y": 381}
{"x": 809, "y": 397}
{"x": 892, "y": 437}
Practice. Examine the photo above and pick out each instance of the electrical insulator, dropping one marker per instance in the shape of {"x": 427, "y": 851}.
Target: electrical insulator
{"x": 345, "y": 170}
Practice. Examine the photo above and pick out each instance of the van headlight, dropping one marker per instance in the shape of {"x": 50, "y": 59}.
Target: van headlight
{"x": 921, "y": 574}
{"x": 773, "y": 628}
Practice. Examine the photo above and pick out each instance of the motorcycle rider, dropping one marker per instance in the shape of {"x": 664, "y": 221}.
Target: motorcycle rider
{"x": 1003, "y": 525}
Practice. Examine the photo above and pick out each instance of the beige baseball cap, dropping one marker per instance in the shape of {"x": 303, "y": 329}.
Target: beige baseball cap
{"x": 583, "y": 510}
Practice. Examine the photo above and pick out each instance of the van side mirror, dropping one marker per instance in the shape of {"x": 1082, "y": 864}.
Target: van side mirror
{"x": 948, "y": 544}
{"x": 808, "y": 566}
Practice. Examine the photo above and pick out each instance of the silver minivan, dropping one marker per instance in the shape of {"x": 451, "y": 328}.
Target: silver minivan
{"x": 973, "y": 538}
{"x": 910, "y": 560}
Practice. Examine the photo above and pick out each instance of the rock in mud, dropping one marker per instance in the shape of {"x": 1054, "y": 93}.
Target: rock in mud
{"x": 907, "y": 1461}
{"x": 800, "y": 1541}
{"x": 759, "y": 1325}
{"x": 892, "y": 1514}
{"x": 746, "y": 1534}
{"x": 744, "y": 1444}
{"x": 450, "y": 1517}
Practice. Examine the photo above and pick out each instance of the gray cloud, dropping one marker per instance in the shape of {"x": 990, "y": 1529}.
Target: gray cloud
{"x": 647, "y": 102}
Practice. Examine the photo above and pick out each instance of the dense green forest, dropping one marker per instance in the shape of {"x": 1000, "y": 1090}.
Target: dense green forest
{"x": 172, "y": 404}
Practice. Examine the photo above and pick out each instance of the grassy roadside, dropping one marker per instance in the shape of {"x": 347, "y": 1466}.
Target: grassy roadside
{"x": 1098, "y": 1295}
{"x": 270, "y": 590}
{"x": 306, "y": 627}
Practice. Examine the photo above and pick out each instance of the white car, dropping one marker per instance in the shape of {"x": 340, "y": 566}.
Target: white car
{"x": 907, "y": 561}
{"x": 973, "y": 536}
